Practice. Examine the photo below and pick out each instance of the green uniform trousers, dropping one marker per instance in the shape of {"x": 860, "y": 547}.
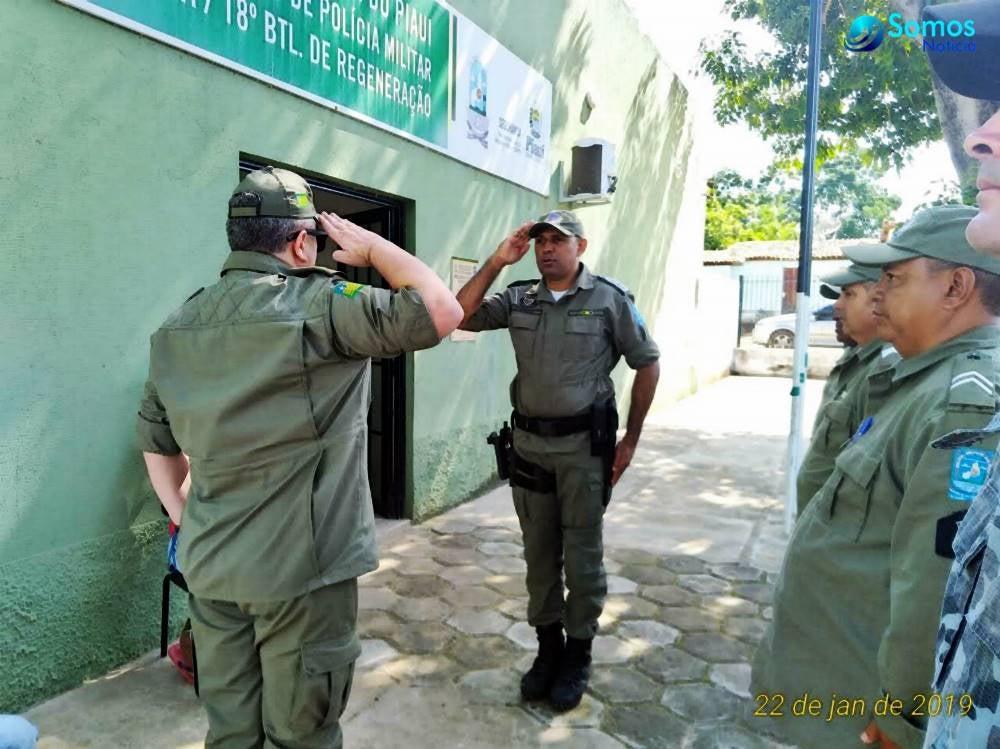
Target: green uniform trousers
{"x": 277, "y": 674}
{"x": 563, "y": 530}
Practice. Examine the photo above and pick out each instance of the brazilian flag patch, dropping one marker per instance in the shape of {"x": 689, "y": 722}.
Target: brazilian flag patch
{"x": 347, "y": 288}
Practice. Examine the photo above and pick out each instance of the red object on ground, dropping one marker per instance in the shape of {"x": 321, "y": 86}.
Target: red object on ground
{"x": 176, "y": 656}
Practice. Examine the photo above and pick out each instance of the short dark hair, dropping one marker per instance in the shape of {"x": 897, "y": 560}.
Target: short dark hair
{"x": 987, "y": 283}
{"x": 264, "y": 234}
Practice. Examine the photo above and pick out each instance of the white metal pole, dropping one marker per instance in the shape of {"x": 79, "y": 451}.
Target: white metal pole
{"x": 796, "y": 444}
{"x": 803, "y": 281}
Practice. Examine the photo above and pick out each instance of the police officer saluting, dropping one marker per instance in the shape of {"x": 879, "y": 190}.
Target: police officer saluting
{"x": 569, "y": 330}
{"x": 855, "y": 610}
{"x": 262, "y": 380}
{"x": 857, "y": 328}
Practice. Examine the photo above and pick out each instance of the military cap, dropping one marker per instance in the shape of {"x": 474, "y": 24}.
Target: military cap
{"x": 283, "y": 194}
{"x": 852, "y": 274}
{"x": 830, "y": 292}
{"x": 833, "y": 282}
{"x": 973, "y": 72}
{"x": 937, "y": 232}
{"x": 564, "y": 221}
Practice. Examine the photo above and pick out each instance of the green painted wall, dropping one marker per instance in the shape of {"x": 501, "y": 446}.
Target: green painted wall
{"x": 119, "y": 154}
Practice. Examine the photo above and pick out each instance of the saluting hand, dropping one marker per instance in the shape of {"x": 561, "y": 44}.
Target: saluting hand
{"x": 354, "y": 243}
{"x": 514, "y": 247}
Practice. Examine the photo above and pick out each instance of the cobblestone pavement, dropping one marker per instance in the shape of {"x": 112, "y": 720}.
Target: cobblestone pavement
{"x": 446, "y": 611}
{"x": 693, "y": 546}
{"x": 693, "y": 541}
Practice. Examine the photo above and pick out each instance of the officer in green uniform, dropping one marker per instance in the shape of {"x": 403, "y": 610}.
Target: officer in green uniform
{"x": 857, "y": 326}
{"x": 569, "y": 330}
{"x": 260, "y": 386}
{"x": 856, "y": 607}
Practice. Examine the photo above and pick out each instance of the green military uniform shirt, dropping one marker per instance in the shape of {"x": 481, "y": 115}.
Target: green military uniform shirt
{"x": 263, "y": 380}
{"x": 835, "y": 421}
{"x": 566, "y": 350}
{"x": 858, "y": 602}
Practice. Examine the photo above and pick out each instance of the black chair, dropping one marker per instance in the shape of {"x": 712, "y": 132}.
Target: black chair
{"x": 173, "y": 577}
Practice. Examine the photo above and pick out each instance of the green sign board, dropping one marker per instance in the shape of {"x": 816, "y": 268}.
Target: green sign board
{"x": 386, "y": 60}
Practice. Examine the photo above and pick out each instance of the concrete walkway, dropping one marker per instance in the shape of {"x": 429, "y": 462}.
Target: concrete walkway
{"x": 693, "y": 542}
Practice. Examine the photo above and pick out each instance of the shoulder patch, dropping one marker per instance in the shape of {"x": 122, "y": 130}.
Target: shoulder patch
{"x": 973, "y": 382}
{"x": 529, "y": 282}
{"x": 194, "y": 295}
{"x": 347, "y": 288}
{"x": 616, "y": 285}
{"x": 969, "y": 468}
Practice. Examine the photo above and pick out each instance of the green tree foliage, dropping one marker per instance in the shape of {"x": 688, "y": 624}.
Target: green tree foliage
{"x": 848, "y": 200}
{"x": 883, "y": 99}
{"x": 848, "y": 193}
{"x": 739, "y": 210}
{"x": 943, "y": 192}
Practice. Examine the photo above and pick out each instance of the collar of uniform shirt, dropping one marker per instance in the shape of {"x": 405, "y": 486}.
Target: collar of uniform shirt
{"x": 584, "y": 280}
{"x": 972, "y": 339}
{"x": 862, "y": 353}
{"x": 253, "y": 261}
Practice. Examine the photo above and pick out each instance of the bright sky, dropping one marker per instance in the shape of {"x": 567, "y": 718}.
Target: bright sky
{"x": 677, "y": 34}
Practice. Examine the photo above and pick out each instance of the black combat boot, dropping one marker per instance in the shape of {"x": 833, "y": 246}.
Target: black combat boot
{"x": 574, "y": 673}
{"x": 536, "y": 683}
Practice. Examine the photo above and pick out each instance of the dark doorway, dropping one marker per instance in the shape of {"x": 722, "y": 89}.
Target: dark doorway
{"x": 387, "y": 417}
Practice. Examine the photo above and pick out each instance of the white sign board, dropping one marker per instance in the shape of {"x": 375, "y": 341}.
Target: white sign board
{"x": 502, "y": 117}
{"x": 461, "y": 272}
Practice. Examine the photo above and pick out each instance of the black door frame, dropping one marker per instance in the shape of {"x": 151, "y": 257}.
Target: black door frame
{"x": 389, "y": 214}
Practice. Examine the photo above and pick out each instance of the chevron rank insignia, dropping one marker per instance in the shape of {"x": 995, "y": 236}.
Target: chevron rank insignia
{"x": 972, "y": 378}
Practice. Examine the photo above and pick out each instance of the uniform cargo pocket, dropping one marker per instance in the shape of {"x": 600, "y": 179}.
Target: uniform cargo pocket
{"x": 583, "y": 336}
{"x": 851, "y": 505}
{"x": 329, "y": 655}
{"x": 523, "y": 331}
{"x": 328, "y": 670}
{"x": 837, "y": 415}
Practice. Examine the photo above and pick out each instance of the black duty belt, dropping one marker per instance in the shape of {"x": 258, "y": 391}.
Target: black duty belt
{"x": 553, "y": 427}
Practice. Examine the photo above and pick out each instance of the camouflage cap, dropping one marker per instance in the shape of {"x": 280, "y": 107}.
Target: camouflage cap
{"x": 937, "y": 232}
{"x": 564, "y": 221}
{"x": 283, "y": 194}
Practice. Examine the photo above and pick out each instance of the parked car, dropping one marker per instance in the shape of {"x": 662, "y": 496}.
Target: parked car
{"x": 751, "y": 317}
{"x": 779, "y": 331}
